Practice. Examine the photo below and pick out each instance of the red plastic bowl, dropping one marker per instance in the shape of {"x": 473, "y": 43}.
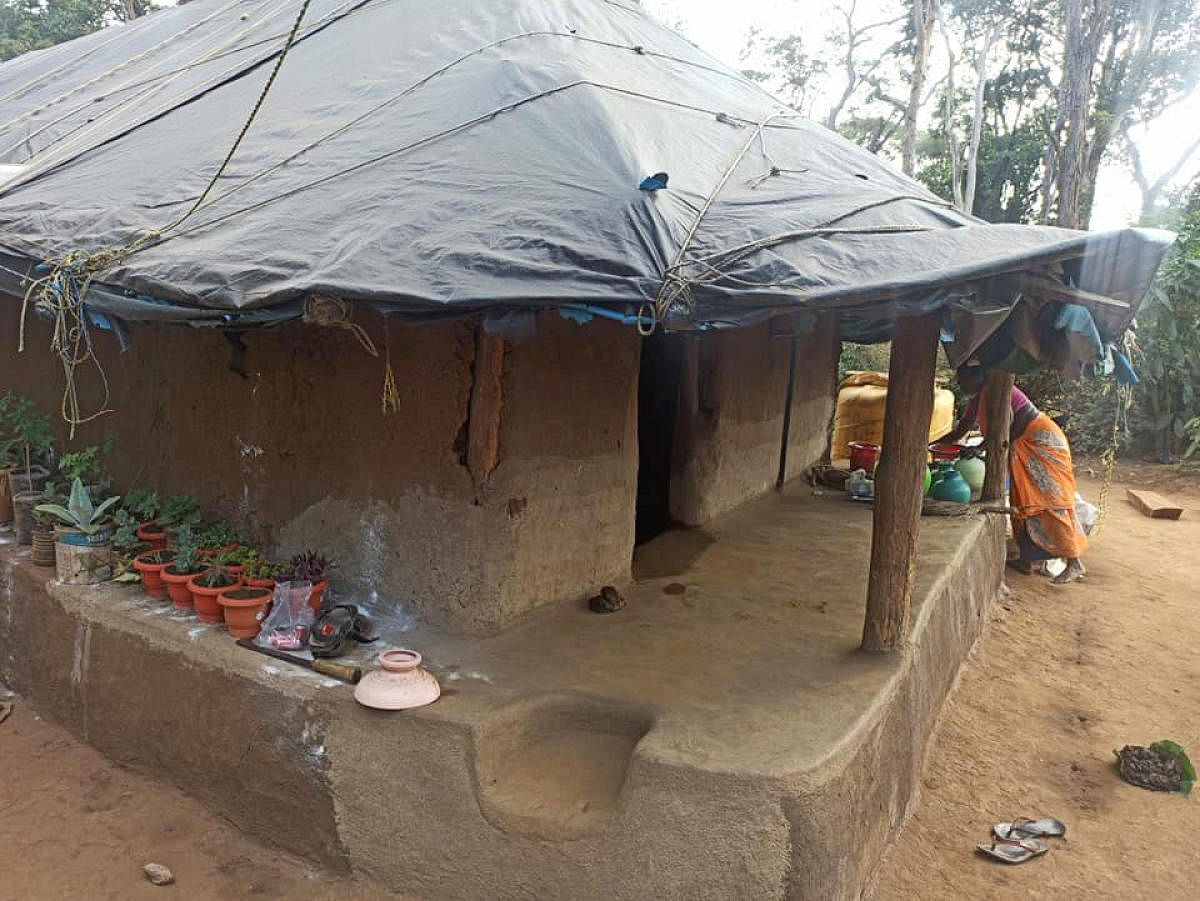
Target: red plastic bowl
{"x": 945, "y": 452}
{"x": 863, "y": 455}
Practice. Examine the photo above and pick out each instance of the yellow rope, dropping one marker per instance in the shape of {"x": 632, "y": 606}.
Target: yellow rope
{"x": 1108, "y": 459}
{"x": 389, "y": 401}
{"x": 333, "y": 312}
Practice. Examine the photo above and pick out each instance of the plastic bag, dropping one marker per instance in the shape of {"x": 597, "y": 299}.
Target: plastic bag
{"x": 1086, "y": 515}
{"x": 287, "y": 625}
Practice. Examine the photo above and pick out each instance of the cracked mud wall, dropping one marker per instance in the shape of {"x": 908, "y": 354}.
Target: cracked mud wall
{"x": 294, "y": 449}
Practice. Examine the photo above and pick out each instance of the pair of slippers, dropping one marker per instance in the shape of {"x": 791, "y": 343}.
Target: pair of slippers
{"x": 1022, "y": 840}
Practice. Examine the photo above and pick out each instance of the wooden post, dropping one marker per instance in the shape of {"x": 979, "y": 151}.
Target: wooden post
{"x": 997, "y": 396}
{"x": 898, "y": 481}
{"x": 487, "y": 398}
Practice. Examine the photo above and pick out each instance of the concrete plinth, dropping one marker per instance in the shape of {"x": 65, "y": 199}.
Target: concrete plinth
{"x": 726, "y": 740}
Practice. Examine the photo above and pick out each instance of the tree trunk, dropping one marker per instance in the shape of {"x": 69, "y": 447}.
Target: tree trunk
{"x": 998, "y": 396}
{"x": 1072, "y": 112}
{"x": 977, "y": 117}
{"x": 923, "y": 15}
{"x": 898, "y": 481}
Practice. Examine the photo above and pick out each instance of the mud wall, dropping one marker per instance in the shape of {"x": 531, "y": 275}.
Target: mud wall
{"x": 287, "y": 440}
{"x": 731, "y": 415}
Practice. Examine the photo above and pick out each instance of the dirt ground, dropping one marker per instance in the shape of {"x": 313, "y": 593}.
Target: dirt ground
{"x": 1065, "y": 676}
{"x": 75, "y": 826}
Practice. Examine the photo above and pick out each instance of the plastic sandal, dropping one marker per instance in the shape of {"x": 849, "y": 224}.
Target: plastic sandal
{"x": 1014, "y": 851}
{"x": 1046, "y": 827}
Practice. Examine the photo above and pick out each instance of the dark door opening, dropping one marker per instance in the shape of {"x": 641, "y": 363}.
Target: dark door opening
{"x": 658, "y": 406}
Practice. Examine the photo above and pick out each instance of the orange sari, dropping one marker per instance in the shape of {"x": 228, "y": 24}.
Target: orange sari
{"x": 1042, "y": 487}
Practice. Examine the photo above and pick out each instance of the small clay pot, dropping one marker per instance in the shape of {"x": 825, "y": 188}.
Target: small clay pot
{"x": 204, "y": 599}
{"x": 245, "y": 609}
{"x": 150, "y": 564}
{"x": 177, "y": 586}
{"x": 43, "y": 547}
{"x": 398, "y": 684}
{"x": 153, "y": 534}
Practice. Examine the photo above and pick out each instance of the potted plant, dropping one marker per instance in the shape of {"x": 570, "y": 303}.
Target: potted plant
{"x": 32, "y": 441}
{"x": 206, "y": 586}
{"x": 259, "y": 572}
{"x": 43, "y": 540}
{"x": 29, "y": 441}
{"x": 84, "y": 532}
{"x": 177, "y": 512}
{"x": 245, "y": 608}
{"x": 236, "y": 557}
{"x": 216, "y": 536}
{"x": 310, "y": 566}
{"x": 179, "y": 571}
{"x": 143, "y": 506}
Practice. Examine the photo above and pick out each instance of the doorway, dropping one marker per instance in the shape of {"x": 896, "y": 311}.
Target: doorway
{"x": 658, "y": 407}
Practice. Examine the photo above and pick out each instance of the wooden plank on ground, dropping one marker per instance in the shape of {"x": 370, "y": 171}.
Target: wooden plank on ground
{"x": 1154, "y": 505}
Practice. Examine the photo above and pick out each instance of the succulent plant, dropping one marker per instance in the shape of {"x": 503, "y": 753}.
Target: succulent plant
{"x": 80, "y": 513}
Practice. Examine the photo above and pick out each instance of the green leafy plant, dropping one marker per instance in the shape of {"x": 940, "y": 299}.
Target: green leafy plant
{"x": 215, "y": 534}
{"x": 187, "y": 560}
{"x": 237, "y": 556}
{"x": 216, "y": 576}
{"x": 82, "y": 464}
{"x": 143, "y": 504}
{"x": 178, "y": 511}
{"x": 80, "y": 513}
{"x": 259, "y": 568}
{"x": 28, "y": 434}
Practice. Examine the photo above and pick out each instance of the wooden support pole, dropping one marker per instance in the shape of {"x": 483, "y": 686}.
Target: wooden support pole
{"x": 898, "y": 481}
{"x": 997, "y": 398}
{"x": 487, "y": 399}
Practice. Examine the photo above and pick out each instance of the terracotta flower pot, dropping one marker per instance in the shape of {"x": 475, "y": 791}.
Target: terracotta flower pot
{"x": 151, "y": 571}
{"x": 259, "y": 583}
{"x": 244, "y": 609}
{"x": 153, "y": 534}
{"x": 314, "y": 599}
{"x": 205, "y": 599}
{"x": 398, "y": 684}
{"x": 43, "y": 547}
{"x": 177, "y": 586}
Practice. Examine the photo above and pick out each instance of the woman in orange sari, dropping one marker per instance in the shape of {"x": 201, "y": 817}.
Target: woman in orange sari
{"x": 1042, "y": 480}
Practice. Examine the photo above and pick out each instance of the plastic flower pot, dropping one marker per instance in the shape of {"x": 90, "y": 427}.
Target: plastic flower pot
{"x": 177, "y": 586}
{"x": 245, "y": 609}
{"x": 81, "y": 558}
{"x": 150, "y": 564}
{"x": 204, "y": 599}
{"x": 259, "y": 583}
{"x": 153, "y": 534}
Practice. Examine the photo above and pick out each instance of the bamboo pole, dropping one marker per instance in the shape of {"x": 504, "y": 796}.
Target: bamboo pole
{"x": 898, "y": 481}
{"x": 997, "y": 396}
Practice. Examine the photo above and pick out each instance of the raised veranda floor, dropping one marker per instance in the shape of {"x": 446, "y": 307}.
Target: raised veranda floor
{"x": 721, "y": 737}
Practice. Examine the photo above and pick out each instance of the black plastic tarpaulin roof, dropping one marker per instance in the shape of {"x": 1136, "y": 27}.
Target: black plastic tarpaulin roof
{"x": 434, "y": 158}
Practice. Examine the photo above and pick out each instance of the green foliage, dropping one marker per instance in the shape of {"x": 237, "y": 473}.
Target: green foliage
{"x": 258, "y": 567}
{"x": 80, "y": 513}
{"x": 81, "y": 464}
{"x": 27, "y": 437}
{"x": 35, "y": 24}
{"x": 238, "y": 556}
{"x": 1175, "y": 750}
{"x": 215, "y": 534}
{"x": 179, "y": 510}
{"x": 1169, "y": 358}
{"x": 187, "y": 560}
{"x": 142, "y": 503}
